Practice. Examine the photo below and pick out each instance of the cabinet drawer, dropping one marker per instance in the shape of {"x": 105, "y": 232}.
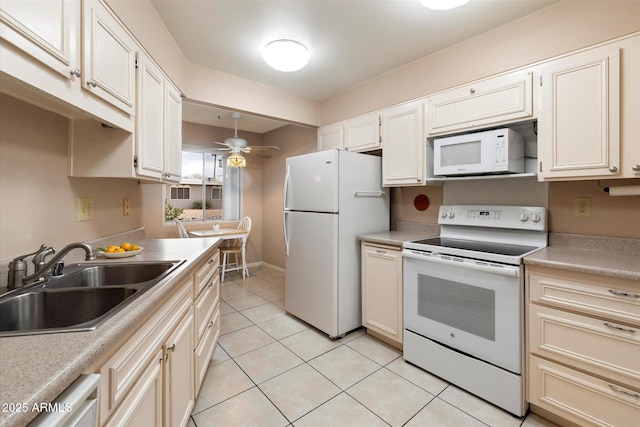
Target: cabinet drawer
{"x": 205, "y": 305}
{"x": 123, "y": 369}
{"x": 204, "y": 350}
{"x": 610, "y": 298}
{"x": 204, "y": 273}
{"x": 581, "y": 398}
{"x": 604, "y": 348}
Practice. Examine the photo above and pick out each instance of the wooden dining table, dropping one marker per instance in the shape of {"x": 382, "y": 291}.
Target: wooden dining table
{"x": 227, "y": 234}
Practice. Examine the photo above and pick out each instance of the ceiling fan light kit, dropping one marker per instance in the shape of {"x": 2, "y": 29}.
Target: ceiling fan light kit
{"x": 236, "y": 161}
{"x": 236, "y": 145}
{"x": 442, "y": 4}
{"x": 286, "y": 55}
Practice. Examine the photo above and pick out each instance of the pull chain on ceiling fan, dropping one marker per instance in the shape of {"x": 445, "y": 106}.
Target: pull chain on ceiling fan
{"x": 236, "y": 145}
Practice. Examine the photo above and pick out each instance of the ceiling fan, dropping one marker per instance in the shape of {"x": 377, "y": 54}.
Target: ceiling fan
{"x": 236, "y": 145}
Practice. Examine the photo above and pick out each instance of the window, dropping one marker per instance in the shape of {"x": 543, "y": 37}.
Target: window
{"x": 180, "y": 192}
{"x": 208, "y": 190}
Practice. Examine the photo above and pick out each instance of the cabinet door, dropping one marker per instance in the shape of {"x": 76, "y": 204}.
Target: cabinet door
{"x": 403, "y": 146}
{"x": 630, "y": 131}
{"x": 172, "y": 134}
{"x": 362, "y": 133}
{"x": 46, "y": 30}
{"x": 179, "y": 374}
{"x": 108, "y": 57}
{"x": 143, "y": 405}
{"x": 330, "y": 136}
{"x": 579, "y": 124}
{"x": 581, "y": 398}
{"x": 382, "y": 291}
{"x": 150, "y": 119}
{"x": 492, "y": 101}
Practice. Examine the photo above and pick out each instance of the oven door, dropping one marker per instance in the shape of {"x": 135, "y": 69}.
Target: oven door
{"x": 473, "y": 307}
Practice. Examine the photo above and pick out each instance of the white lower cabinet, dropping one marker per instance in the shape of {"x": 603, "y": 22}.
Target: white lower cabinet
{"x": 382, "y": 291}
{"x": 154, "y": 377}
{"x": 584, "y": 347}
{"x": 144, "y": 401}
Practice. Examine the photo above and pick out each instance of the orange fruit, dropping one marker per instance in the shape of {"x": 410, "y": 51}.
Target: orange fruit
{"x": 126, "y": 246}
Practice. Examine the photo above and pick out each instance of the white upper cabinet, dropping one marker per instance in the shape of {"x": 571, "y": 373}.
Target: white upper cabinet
{"x": 331, "y": 136}
{"x": 46, "y": 30}
{"x": 579, "y": 120}
{"x": 71, "y": 57}
{"x": 158, "y": 124}
{"x": 362, "y": 133}
{"x": 172, "y": 133}
{"x": 497, "y": 100}
{"x": 403, "y": 145}
{"x": 109, "y": 57}
{"x": 150, "y": 119}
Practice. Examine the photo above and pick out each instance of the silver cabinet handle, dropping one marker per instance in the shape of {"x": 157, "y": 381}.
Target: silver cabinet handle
{"x": 620, "y": 390}
{"x": 75, "y": 72}
{"x": 619, "y": 328}
{"x": 380, "y": 251}
{"x": 211, "y": 284}
{"x": 92, "y": 83}
{"x": 211, "y": 324}
{"x": 172, "y": 348}
{"x": 623, "y": 294}
{"x": 613, "y": 169}
{"x": 635, "y": 168}
{"x": 472, "y": 91}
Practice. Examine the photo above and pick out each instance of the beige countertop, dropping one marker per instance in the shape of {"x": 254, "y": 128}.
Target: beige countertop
{"x": 35, "y": 369}
{"x": 396, "y": 238}
{"x": 591, "y": 261}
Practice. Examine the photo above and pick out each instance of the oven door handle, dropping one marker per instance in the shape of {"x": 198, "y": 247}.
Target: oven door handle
{"x": 506, "y": 270}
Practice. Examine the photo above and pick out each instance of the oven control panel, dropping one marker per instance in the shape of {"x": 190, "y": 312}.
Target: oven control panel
{"x": 514, "y": 217}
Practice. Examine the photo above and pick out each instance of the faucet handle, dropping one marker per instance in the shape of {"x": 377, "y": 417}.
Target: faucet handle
{"x": 43, "y": 247}
{"x": 39, "y": 259}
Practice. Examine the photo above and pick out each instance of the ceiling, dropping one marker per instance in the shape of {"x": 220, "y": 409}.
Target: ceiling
{"x": 351, "y": 41}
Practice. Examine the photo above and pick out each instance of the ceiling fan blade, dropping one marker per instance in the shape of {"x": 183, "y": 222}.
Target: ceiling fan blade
{"x": 263, "y": 148}
{"x": 224, "y": 145}
{"x": 259, "y": 155}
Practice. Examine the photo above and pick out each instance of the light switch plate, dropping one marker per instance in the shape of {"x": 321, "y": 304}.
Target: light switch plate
{"x": 85, "y": 209}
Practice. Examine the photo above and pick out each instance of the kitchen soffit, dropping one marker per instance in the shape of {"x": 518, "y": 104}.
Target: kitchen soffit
{"x": 350, "y": 41}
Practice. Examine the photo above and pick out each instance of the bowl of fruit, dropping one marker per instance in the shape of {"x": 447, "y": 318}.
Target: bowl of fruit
{"x": 123, "y": 251}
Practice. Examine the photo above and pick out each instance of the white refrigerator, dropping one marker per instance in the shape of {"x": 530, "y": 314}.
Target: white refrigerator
{"x": 330, "y": 197}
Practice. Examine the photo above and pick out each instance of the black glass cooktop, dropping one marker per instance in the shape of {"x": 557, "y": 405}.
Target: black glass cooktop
{"x": 478, "y": 246}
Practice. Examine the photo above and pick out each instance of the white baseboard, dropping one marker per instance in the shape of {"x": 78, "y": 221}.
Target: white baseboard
{"x": 267, "y": 265}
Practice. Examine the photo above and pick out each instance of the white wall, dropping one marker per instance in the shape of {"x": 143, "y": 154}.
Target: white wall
{"x": 560, "y": 28}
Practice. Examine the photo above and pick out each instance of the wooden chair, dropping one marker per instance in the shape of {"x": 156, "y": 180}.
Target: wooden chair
{"x": 236, "y": 248}
{"x": 182, "y": 232}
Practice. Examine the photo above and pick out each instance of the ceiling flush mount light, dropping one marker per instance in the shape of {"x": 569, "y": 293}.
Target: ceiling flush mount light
{"x": 236, "y": 161}
{"x": 286, "y": 55}
{"x": 442, "y": 4}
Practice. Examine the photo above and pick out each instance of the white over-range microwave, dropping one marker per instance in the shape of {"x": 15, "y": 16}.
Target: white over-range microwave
{"x": 489, "y": 152}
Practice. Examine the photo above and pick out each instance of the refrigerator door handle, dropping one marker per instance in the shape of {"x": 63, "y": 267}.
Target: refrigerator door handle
{"x": 284, "y": 226}
{"x": 287, "y": 178}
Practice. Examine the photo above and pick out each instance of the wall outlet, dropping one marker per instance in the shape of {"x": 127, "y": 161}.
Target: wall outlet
{"x": 85, "y": 209}
{"x": 582, "y": 207}
{"x": 125, "y": 206}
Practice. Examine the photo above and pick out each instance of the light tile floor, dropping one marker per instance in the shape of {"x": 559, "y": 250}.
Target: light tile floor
{"x": 271, "y": 369}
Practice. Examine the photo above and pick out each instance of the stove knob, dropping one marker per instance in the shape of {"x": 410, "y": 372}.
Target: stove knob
{"x": 451, "y": 214}
{"x": 535, "y": 217}
{"x": 524, "y": 217}
{"x": 443, "y": 214}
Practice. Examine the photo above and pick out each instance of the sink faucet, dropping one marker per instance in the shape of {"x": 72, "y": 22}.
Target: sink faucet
{"x": 18, "y": 268}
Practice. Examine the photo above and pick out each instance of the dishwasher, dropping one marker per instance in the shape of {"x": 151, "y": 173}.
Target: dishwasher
{"x": 77, "y": 406}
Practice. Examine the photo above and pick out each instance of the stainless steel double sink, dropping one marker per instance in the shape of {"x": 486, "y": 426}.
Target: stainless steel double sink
{"x": 81, "y": 299}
